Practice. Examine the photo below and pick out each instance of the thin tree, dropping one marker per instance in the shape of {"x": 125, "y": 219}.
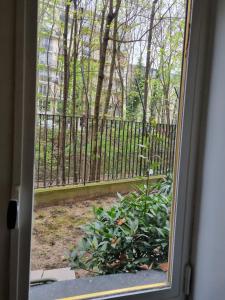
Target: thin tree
{"x": 146, "y": 78}
{"x": 148, "y": 61}
{"x": 112, "y": 68}
{"x": 112, "y": 14}
{"x": 65, "y": 89}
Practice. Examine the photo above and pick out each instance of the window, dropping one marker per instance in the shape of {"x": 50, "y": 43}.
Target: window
{"x": 48, "y": 43}
{"x": 42, "y": 106}
{"x": 42, "y": 58}
{"x": 49, "y": 57}
{"x": 43, "y": 75}
{"x": 134, "y": 233}
{"x": 165, "y": 288}
{"x": 43, "y": 89}
{"x": 52, "y": 59}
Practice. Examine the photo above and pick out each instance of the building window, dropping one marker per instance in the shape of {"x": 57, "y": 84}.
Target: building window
{"x": 43, "y": 89}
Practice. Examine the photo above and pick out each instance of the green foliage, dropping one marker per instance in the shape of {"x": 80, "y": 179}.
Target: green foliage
{"x": 136, "y": 92}
{"x": 128, "y": 237}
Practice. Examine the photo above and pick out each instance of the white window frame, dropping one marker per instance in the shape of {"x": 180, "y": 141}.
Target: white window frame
{"x": 24, "y": 153}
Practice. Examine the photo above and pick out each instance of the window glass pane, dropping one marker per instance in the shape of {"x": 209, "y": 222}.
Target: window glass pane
{"x": 109, "y": 82}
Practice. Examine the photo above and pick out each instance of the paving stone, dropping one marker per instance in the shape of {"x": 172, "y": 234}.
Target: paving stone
{"x": 35, "y": 275}
{"x": 59, "y": 274}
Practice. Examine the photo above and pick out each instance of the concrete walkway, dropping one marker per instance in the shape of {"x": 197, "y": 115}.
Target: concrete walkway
{"x": 57, "y": 274}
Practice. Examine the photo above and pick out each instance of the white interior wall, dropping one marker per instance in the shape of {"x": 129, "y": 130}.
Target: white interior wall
{"x": 209, "y": 230}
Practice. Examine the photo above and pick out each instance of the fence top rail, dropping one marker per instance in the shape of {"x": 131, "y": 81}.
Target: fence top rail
{"x": 101, "y": 118}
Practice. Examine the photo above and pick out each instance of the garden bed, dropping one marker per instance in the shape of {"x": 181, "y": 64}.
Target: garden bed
{"x": 58, "y": 228}
{"x": 128, "y": 237}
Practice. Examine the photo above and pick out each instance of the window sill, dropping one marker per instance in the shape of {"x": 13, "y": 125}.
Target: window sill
{"x": 77, "y": 287}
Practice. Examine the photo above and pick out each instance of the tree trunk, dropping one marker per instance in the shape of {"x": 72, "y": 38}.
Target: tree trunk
{"x": 90, "y": 58}
{"x": 148, "y": 61}
{"x": 109, "y": 89}
{"x": 112, "y": 68}
{"x": 75, "y": 55}
{"x": 122, "y": 86}
{"x": 146, "y": 81}
{"x": 65, "y": 90}
{"x": 102, "y": 58}
{"x": 167, "y": 105}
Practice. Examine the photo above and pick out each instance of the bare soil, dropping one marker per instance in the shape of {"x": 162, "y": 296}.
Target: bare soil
{"x": 57, "y": 229}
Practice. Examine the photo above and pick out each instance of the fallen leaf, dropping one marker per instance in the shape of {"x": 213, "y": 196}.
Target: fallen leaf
{"x": 164, "y": 267}
{"x": 145, "y": 267}
{"x": 115, "y": 241}
{"x": 120, "y": 221}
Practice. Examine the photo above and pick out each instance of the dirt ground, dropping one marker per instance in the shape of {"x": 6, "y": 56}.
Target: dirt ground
{"x": 57, "y": 229}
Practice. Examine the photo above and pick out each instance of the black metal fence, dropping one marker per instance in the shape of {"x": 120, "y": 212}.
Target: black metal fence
{"x": 126, "y": 149}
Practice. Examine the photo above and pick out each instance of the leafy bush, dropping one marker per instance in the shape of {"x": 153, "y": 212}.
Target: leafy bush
{"x": 130, "y": 236}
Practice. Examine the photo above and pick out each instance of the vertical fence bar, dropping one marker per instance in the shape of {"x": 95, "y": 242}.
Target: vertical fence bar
{"x": 105, "y": 148}
{"x": 45, "y": 146}
{"x": 160, "y": 148}
{"x": 90, "y": 163}
{"x": 70, "y": 142}
{"x": 110, "y": 143}
{"x": 134, "y": 148}
{"x": 75, "y": 179}
{"x": 146, "y": 164}
{"x": 86, "y": 146}
{"x": 163, "y": 149}
{"x": 145, "y": 149}
{"x": 39, "y": 153}
{"x": 149, "y": 145}
{"x": 114, "y": 149}
{"x": 58, "y": 152}
{"x": 81, "y": 146}
{"x": 169, "y": 148}
{"x": 118, "y": 151}
{"x": 122, "y": 150}
{"x": 130, "y": 150}
{"x": 52, "y": 148}
{"x": 173, "y": 145}
{"x": 138, "y": 150}
{"x": 97, "y": 154}
{"x": 142, "y": 149}
{"x": 154, "y": 149}
{"x": 74, "y": 146}
{"x": 127, "y": 143}
{"x": 99, "y": 158}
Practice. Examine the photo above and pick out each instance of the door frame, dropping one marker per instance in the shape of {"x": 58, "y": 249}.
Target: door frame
{"x": 24, "y": 120}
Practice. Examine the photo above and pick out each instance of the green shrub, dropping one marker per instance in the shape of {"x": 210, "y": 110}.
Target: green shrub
{"x": 130, "y": 236}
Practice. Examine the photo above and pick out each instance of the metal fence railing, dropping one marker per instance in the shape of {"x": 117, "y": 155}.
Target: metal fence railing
{"x": 125, "y": 149}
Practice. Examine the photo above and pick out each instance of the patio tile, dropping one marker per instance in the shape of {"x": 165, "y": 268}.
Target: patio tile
{"x": 36, "y": 275}
{"x": 59, "y": 274}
